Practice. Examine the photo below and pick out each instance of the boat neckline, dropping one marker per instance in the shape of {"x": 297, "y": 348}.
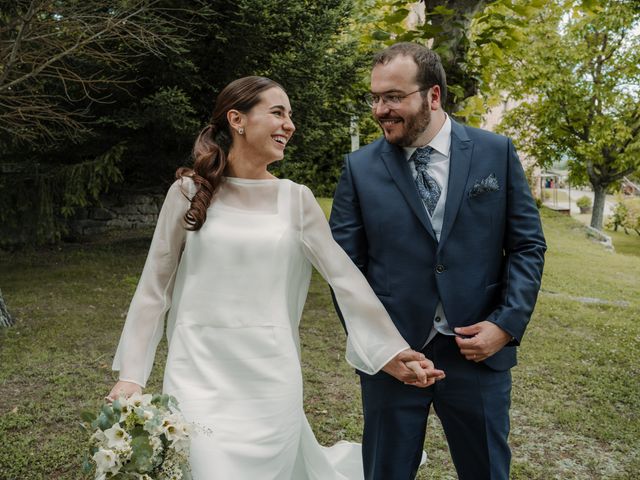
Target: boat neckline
{"x": 251, "y": 180}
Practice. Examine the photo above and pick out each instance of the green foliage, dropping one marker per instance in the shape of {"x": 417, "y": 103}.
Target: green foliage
{"x": 83, "y": 182}
{"x": 626, "y": 214}
{"x": 140, "y": 128}
{"x": 577, "y": 80}
{"x": 495, "y": 34}
{"x": 468, "y": 36}
{"x": 583, "y": 202}
{"x": 142, "y": 454}
{"x": 618, "y": 217}
{"x": 320, "y": 69}
{"x": 34, "y": 204}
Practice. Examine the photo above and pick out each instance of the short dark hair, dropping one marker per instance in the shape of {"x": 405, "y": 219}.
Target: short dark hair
{"x": 430, "y": 70}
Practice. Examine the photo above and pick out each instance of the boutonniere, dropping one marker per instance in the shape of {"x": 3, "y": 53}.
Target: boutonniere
{"x": 486, "y": 185}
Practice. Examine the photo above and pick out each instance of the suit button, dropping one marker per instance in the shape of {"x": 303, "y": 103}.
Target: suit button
{"x": 438, "y": 319}
{"x": 440, "y": 268}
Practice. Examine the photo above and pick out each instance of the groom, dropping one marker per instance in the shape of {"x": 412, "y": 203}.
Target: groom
{"x": 440, "y": 219}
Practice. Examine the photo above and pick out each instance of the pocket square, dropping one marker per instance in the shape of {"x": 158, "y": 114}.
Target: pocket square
{"x": 486, "y": 185}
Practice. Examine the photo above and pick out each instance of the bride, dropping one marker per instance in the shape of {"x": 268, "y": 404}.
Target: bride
{"x": 229, "y": 267}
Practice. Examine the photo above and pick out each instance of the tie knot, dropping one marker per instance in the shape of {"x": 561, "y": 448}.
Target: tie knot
{"x": 422, "y": 155}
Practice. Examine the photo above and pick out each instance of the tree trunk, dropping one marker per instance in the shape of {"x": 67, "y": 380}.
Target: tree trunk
{"x": 5, "y": 318}
{"x": 597, "y": 215}
{"x": 454, "y": 34}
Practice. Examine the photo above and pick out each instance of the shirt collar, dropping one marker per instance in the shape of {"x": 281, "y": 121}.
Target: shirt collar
{"x": 441, "y": 143}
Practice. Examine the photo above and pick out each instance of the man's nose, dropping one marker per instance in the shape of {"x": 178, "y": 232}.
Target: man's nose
{"x": 380, "y": 109}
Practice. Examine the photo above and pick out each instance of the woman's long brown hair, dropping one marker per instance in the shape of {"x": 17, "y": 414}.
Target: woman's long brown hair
{"x": 212, "y": 146}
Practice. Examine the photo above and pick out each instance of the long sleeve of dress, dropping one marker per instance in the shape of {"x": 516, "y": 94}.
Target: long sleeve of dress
{"x": 144, "y": 325}
{"x": 372, "y": 339}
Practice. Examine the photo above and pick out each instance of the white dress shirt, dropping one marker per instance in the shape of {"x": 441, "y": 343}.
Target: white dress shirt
{"x": 438, "y": 169}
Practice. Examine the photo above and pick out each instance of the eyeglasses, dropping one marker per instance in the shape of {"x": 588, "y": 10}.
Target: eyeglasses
{"x": 389, "y": 99}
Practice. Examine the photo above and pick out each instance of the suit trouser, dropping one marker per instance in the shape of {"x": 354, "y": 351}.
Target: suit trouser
{"x": 472, "y": 403}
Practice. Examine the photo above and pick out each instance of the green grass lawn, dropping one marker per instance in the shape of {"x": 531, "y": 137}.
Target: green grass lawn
{"x": 576, "y": 394}
{"x": 626, "y": 243}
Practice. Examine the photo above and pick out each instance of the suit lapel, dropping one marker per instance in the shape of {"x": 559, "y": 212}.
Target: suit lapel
{"x": 393, "y": 158}
{"x": 460, "y": 163}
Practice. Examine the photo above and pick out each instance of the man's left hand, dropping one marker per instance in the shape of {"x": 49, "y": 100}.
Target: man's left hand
{"x": 485, "y": 339}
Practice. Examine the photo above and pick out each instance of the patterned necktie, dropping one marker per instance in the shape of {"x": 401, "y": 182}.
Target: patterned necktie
{"x": 428, "y": 188}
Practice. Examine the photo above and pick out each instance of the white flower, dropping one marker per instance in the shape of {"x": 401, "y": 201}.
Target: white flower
{"x": 171, "y": 427}
{"x": 125, "y": 411}
{"x": 106, "y": 461}
{"x": 117, "y": 437}
{"x": 175, "y": 427}
{"x": 139, "y": 400}
{"x": 181, "y": 445}
{"x": 99, "y": 438}
{"x": 187, "y": 429}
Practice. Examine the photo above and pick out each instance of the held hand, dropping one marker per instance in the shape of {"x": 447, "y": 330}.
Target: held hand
{"x": 412, "y": 368}
{"x": 426, "y": 365}
{"x": 397, "y": 368}
{"x": 486, "y": 338}
{"x": 124, "y": 389}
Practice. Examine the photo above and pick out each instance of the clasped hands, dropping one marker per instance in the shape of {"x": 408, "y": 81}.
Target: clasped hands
{"x": 413, "y": 368}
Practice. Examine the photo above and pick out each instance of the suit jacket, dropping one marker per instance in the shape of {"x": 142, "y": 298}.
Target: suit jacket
{"x": 488, "y": 262}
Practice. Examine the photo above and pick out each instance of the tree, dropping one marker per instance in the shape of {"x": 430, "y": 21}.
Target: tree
{"x": 140, "y": 126}
{"x": 467, "y": 35}
{"x": 5, "y": 318}
{"x": 83, "y": 46}
{"x": 578, "y": 81}
{"x": 310, "y": 49}
{"x": 64, "y": 63}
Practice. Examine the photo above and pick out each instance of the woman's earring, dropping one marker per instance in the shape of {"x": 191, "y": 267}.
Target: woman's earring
{"x": 241, "y": 131}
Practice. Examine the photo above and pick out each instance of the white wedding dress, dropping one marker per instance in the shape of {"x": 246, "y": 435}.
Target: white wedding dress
{"x": 233, "y": 293}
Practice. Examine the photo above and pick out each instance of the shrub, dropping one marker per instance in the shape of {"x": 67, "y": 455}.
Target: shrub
{"x": 583, "y": 202}
{"x": 626, "y": 214}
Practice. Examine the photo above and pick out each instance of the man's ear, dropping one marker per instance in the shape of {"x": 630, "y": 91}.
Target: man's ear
{"x": 435, "y": 100}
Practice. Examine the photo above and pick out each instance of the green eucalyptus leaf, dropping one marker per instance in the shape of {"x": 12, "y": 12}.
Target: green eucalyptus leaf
{"x": 87, "y": 465}
{"x": 142, "y": 453}
{"x": 117, "y": 406}
{"x": 104, "y": 421}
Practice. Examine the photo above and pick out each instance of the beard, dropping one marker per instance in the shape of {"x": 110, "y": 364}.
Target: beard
{"x": 414, "y": 126}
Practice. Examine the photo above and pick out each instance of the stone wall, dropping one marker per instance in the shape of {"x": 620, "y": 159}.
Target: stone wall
{"x": 117, "y": 211}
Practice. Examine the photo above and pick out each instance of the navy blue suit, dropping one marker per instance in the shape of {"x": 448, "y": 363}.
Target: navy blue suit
{"x": 486, "y": 266}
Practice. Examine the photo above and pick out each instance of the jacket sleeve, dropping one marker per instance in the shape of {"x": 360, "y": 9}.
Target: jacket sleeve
{"x": 144, "y": 325}
{"x": 524, "y": 247}
{"x": 373, "y": 339}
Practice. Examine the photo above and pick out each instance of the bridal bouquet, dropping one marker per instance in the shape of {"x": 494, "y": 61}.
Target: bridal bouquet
{"x": 143, "y": 437}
